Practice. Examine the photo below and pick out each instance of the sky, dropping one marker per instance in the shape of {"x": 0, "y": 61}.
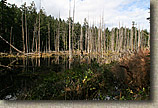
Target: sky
{"x": 113, "y": 11}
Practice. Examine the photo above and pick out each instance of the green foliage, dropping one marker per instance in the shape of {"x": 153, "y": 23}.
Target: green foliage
{"x": 84, "y": 82}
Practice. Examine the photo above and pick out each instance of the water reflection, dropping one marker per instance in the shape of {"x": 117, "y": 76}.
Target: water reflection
{"x": 26, "y": 72}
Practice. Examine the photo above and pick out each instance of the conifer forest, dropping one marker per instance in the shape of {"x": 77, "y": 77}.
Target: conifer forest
{"x": 43, "y": 57}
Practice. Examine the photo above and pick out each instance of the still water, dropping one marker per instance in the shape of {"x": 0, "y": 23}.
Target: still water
{"x": 24, "y": 74}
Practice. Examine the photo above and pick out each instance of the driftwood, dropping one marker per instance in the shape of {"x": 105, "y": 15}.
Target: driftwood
{"x": 5, "y": 66}
{"x": 11, "y": 45}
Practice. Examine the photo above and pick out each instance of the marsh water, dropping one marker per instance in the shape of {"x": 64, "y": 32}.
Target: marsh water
{"x": 23, "y": 74}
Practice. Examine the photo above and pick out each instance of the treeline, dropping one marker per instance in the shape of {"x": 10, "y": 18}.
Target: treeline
{"x": 32, "y": 31}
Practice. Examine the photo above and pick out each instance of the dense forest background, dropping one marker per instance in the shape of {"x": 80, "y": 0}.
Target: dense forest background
{"x": 103, "y": 63}
{"x": 21, "y": 27}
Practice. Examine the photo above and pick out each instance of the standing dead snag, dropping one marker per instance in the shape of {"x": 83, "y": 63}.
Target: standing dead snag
{"x": 131, "y": 39}
{"x": 70, "y": 53}
{"x": 112, "y": 40}
{"x": 117, "y": 41}
{"x": 58, "y": 34}
{"x": 26, "y": 31}
{"x": 11, "y": 39}
{"x": 135, "y": 38}
{"x": 23, "y": 32}
{"x": 81, "y": 36}
{"x": 125, "y": 40}
{"x": 139, "y": 37}
{"x": 86, "y": 40}
{"x": 73, "y": 38}
{"x": 48, "y": 36}
{"x": 121, "y": 38}
{"x": 34, "y": 36}
{"x": 39, "y": 31}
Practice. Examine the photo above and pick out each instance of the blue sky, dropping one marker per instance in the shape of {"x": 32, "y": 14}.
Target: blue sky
{"x": 114, "y": 11}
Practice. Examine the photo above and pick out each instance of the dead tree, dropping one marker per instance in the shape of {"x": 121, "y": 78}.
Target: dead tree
{"x": 26, "y": 32}
{"x": 48, "y": 36}
{"x": 58, "y": 34}
{"x": 73, "y": 27}
{"x": 12, "y": 45}
{"x": 39, "y": 31}
{"x": 139, "y": 39}
{"x": 125, "y": 39}
{"x": 135, "y": 38}
{"x": 70, "y": 53}
{"x": 120, "y": 38}
{"x": 34, "y": 40}
{"x": 22, "y": 19}
{"x": 81, "y": 36}
{"x": 11, "y": 39}
{"x": 112, "y": 39}
{"x": 86, "y": 39}
{"x": 117, "y": 41}
{"x": 131, "y": 39}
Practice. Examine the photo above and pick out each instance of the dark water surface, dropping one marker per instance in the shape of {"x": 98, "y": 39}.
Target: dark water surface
{"x": 26, "y": 73}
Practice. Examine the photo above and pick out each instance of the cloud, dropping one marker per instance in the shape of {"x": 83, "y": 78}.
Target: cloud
{"x": 114, "y": 11}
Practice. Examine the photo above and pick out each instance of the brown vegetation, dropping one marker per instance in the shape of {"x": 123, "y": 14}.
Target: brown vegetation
{"x": 134, "y": 71}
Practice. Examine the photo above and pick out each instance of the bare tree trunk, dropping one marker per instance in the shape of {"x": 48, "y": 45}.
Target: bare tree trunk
{"x": 121, "y": 38}
{"x": 70, "y": 53}
{"x": 46, "y": 47}
{"x": 33, "y": 40}
{"x": 127, "y": 44}
{"x": 135, "y": 38}
{"x": 34, "y": 37}
{"x": 125, "y": 40}
{"x": 139, "y": 39}
{"x": 66, "y": 41}
{"x": 112, "y": 40}
{"x": 28, "y": 41}
{"x": 58, "y": 35}
{"x": 98, "y": 43}
{"x": 63, "y": 37}
{"x": 91, "y": 38}
{"x": 131, "y": 39}
{"x": 81, "y": 36}
{"x": 26, "y": 32}
{"x": 117, "y": 41}
{"x": 96, "y": 46}
{"x": 39, "y": 35}
{"x": 73, "y": 27}
{"x": 102, "y": 22}
{"x": 11, "y": 39}
{"x": 48, "y": 36}
{"x": 23, "y": 32}
{"x": 86, "y": 40}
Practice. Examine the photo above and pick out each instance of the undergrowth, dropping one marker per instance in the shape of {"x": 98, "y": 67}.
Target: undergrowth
{"x": 128, "y": 79}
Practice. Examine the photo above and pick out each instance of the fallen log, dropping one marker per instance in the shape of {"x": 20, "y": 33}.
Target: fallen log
{"x": 11, "y": 45}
